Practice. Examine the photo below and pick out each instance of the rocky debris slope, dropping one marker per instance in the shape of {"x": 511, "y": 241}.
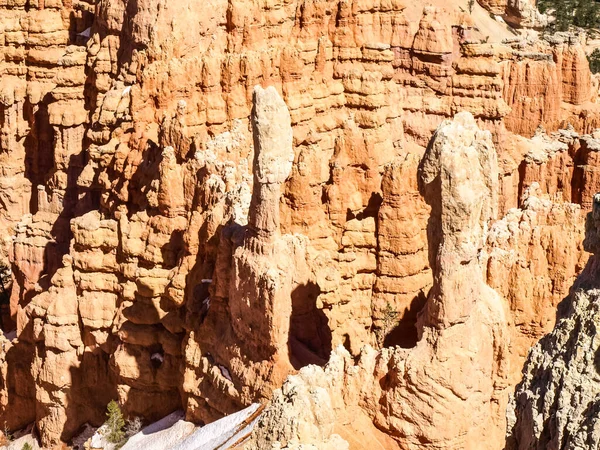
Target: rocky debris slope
{"x": 556, "y": 404}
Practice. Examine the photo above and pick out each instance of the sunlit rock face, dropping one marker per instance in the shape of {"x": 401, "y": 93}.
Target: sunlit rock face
{"x": 449, "y": 390}
{"x": 555, "y": 405}
{"x": 197, "y": 199}
{"x": 518, "y": 13}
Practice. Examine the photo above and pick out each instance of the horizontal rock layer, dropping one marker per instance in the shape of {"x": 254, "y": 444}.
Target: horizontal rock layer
{"x": 162, "y": 258}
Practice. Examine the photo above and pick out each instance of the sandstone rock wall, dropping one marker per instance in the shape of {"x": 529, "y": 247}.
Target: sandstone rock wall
{"x": 556, "y": 404}
{"x": 546, "y": 82}
{"x": 134, "y": 157}
{"x": 449, "y": 390}
{"x": 42, "y": 101}
{"x": 534, "y": 252}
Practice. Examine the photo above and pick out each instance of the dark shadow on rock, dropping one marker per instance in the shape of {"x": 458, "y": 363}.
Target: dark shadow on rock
{"x": 371, "y": 210}
{"x": 521, "y": 187}
{"x": 310, "y": 335}
{"x": 39, "y": 147}
{"x": 155, "y": 393}
{"x": 20, "y": 387}
{"x": 93, "y": 386}
{"x": 173, "y": 250}
{"x": 431, "y": 193}
{"x": 200, "y": 304}
{"x": 74, "y": 205}
{"x": 143, "y": 179}
{"x": 405, "y": 333}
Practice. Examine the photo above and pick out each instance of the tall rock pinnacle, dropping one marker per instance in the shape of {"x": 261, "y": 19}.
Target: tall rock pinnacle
{"x": 458, "y": 177}
{"x": 273, "y": 158}
{"x": 449, "y": 391}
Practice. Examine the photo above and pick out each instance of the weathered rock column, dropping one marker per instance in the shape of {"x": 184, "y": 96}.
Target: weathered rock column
{"x": 458, "y": 178}
{"x": 266, "y": 265}
{"x": 273, "y": 159}
{"x": 171, "y": 195}
{"x": 449, "y": 390}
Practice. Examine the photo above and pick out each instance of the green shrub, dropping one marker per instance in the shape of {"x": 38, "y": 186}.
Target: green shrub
{"x": 389, "y": 320}
{"x": 594, "y": 60}
{"x": 114, "y": 424}
{"x": 571, "y": 13}
{"x": 27, "y": 446}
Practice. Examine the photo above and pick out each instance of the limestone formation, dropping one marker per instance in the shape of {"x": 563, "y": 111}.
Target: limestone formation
{"x": 458, "y": 175}
{"x": 321, "y": 408}
{"x": 561, "y": 63}
{"x": 519, "y": 13}
{"x": 265, "y": 269}
{"x": 200, "y": 239}
{"x": 534, "y": 251}
{"x": 458, "y": 368}
{"x": 556, "y": 403}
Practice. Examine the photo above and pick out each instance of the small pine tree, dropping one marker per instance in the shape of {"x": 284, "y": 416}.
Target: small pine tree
{"x": 27, "y": 446}
{"x": 114, "y": 423}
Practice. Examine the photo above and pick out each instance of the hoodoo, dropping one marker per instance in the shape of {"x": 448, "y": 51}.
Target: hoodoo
{"x": 337, "y": 224}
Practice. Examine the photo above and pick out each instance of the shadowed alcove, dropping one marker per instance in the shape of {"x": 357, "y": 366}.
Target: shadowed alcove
{"x": 310, "y": 336}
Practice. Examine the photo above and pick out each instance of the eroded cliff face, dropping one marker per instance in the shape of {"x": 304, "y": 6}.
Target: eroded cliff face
{"x": 519, "y": 13}
{"x": 556, "y": 404}
{"x": 449, "y": 391}
{"x": 180, "y": 239}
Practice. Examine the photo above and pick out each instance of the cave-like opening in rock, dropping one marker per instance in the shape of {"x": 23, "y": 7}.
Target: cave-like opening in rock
{"x": 310, "y": 335}
{"x": 405, "y": 333}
